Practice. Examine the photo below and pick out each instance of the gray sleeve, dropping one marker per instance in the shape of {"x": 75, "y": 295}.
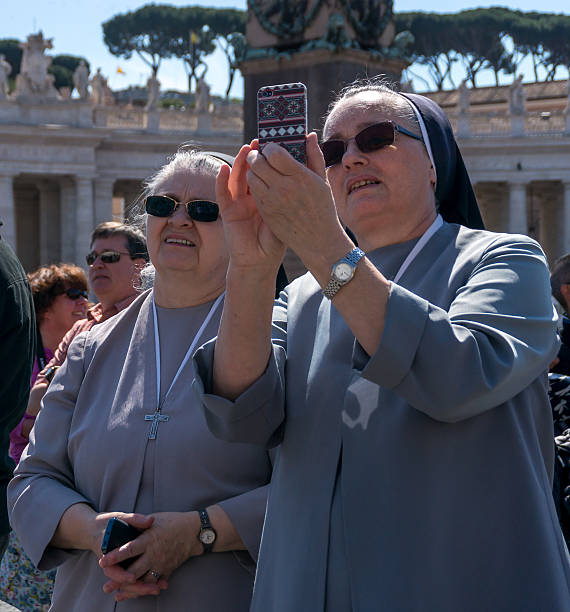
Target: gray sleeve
{"x": 257, "y": 415}
{"x": 247, "y": 512}
{"x": 497, "y": 336}
{"x": 43, "y": 485}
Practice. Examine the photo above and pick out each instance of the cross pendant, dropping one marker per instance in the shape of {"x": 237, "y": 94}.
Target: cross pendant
{"x": 156, "y": 419}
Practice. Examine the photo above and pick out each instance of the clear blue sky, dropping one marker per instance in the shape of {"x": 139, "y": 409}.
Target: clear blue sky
{"x": 75, "y": 26}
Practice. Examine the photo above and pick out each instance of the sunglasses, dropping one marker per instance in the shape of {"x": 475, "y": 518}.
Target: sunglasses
{"x": 198, "y": 210}
{"x": 74, "y": 294}
{"x": 369, "y": 139}
{"x": 106, "y": 257}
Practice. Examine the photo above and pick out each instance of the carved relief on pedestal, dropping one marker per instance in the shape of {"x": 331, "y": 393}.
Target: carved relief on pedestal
{"x": 332, "y": 24}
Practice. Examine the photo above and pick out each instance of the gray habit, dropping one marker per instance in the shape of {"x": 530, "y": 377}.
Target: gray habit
{"x": 90, "y": 444}
{"x": 418, "y": 479}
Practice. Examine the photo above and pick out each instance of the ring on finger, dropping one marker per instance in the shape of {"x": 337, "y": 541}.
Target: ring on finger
{"x": 154, "y": 574}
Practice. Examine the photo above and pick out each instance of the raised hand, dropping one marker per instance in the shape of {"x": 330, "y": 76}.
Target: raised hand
{"x": 250, "y": 241}
{"x": 295, "y": 201}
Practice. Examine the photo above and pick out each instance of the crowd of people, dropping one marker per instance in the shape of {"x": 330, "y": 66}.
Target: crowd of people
{"x": 379, "y": 437}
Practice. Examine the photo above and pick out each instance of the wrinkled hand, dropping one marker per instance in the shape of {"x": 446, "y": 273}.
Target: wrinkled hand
{"x": 164, "y": 546}
{"x": 250, "y": 241}
{"x": 295, "y": 201}
{"x": 140, "y": 521}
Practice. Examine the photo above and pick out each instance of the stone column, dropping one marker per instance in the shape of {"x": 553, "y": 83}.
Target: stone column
{"x": 565, "y": 220}
{"x": 7, "y": 209}
{"x": 517, "y": 209}
{"x": 50, "y": 234}
{"x": 84, "y": 216}
{"x": 67, "y": 219}
{"x": 103, "y": 199}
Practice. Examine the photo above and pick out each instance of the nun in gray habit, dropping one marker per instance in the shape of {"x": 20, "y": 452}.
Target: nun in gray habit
{"x": 405, "y": 383}
{"x": 121, "y": 434}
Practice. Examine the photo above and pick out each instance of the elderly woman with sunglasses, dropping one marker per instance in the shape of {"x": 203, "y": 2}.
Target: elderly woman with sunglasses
{"x": 137, "y": 445}
{"x": 403, "y": 380}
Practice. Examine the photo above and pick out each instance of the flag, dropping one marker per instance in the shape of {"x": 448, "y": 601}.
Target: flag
{"x": 120, "y": 70}
{"x": 193, "y": 38}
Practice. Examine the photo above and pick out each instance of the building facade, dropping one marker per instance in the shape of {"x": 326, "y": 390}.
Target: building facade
{"x": 66, "y": 165}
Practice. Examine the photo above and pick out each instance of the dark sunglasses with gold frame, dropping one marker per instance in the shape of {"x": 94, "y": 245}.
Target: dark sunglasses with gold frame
{"x": 203, "y": 211}
{"x": 369, "y": 139}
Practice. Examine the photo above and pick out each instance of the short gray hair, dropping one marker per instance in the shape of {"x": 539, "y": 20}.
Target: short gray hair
{"x": 184, "y": 160}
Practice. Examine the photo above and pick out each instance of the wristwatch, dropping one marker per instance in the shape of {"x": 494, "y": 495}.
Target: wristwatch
{"x": 50, "y": 372}
{"x": 207, "y": 533}
{"x": 342, "y": 272}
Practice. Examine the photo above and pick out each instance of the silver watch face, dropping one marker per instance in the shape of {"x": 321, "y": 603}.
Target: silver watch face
{"x": 207, "y": 536}
{"x": 343, "y": 272}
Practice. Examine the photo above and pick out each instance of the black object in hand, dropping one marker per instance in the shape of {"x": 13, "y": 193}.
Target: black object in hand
{"x": 117, "y": 533}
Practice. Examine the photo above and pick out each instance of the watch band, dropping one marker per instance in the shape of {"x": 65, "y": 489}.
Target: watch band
{"x": 50, "y": 373}
{"x": 206, "y": 526}
{"x": 334, "y": 285}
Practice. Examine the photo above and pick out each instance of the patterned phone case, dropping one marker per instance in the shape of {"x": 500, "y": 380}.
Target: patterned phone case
{"x": 282, "y": 117}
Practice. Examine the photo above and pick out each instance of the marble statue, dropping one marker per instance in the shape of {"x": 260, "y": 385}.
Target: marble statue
{"x": 5, "y": 70}
{"x": 202, "y": 96}
{"x": 81, "y": 80}
{"x": 517, "y": 97}
{"x": 98, "y": 84}
{"x": 34, "y": 79}
{"x": 463, "y": 98}
{"x": 153, "y": 90}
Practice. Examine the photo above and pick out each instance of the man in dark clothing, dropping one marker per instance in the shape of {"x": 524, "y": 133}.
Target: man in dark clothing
{"x": 17, "y": 349}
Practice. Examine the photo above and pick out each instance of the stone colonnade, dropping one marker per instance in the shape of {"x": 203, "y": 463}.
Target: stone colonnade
{"x": 540, "y": 209}
{"x": 48, "y": 218}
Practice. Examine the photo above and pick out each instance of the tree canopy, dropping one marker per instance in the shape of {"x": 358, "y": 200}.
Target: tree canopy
{"x": 63, "y": 67}
{"x": 495, "y": 38}
{"x": 156, "y": 32}
{"x": 10, "y": 48}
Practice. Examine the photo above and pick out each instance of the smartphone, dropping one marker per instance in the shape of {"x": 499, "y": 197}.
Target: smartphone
{"x": 117, "y": 533}
{"x": 282, "y": 118}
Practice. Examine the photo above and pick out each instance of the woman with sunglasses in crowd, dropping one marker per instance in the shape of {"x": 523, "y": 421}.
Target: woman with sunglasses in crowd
{"x": 118, "y": 253}
{"x": 60, "y": 299}
{"x": 136, "y": 442}
{"x": 403, "y": 379}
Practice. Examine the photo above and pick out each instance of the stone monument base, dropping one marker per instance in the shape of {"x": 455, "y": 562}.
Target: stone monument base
{"x": 204, "y": 123}
{"x": 99, "y": 116}
{"x": 463, "y": 128}
{"x": 324, "y": 73}
{"x": 33, "y": 111}
{"x": 517, "y": 125}
{"x": 152, "y": 121}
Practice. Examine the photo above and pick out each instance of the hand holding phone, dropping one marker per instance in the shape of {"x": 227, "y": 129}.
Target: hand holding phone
{"x": 117, "y": 533}
{"x": 282, "y": 118}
